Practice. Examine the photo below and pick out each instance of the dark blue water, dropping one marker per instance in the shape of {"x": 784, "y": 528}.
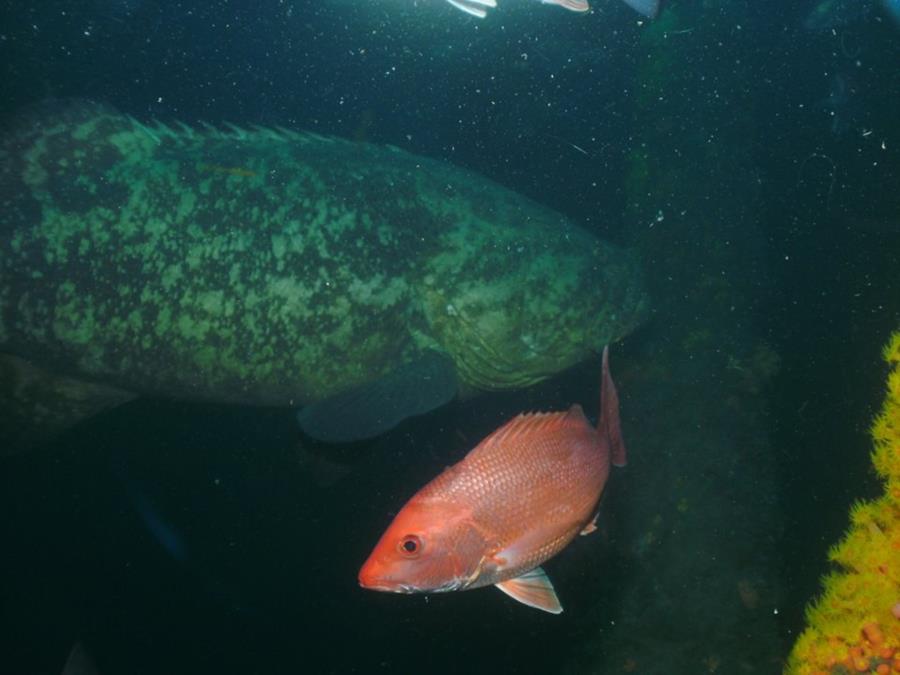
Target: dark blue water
{"x": 748, "y": 152}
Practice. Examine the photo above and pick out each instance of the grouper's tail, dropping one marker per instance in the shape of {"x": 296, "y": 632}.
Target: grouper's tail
{"x": 609, "y": 423}
{"x": 40, "y": 160}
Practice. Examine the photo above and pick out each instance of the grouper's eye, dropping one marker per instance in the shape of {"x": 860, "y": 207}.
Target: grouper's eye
{"x": 410, "y": 546}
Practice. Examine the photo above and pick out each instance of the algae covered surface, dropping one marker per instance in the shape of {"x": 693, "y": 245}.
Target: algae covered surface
{"x": 216, "y": 213}
{"x": 855, "y": 624}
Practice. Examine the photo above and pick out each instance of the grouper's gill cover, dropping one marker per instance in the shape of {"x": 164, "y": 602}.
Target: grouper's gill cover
{"x": 273, "y": 267}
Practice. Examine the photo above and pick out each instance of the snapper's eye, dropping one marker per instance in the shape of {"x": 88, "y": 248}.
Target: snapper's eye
{"x": 410, "y": 546}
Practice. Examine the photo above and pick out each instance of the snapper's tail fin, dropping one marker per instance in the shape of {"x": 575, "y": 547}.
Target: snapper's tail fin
{"x": 609, "y": 423}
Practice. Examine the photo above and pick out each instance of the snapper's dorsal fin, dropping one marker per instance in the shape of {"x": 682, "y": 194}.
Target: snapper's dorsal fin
{"x": 527, "y": 424}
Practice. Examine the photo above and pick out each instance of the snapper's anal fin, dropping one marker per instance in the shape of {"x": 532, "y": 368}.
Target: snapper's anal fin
{"x": 609, "y": 423}
{"x": 533, "y": 589}
{"x": 36, "y": 405}
{"x": 371, "y": 409}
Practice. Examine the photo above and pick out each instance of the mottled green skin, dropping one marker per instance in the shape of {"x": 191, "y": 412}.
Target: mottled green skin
{"x": 270, "y": 267}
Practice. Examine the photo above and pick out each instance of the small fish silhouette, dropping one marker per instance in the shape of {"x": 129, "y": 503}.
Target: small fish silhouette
{"x": 649, "y": 8}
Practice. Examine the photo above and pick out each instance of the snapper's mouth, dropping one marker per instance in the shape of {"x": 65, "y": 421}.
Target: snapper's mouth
{"x": 387, "y": 587}
{"x": 390, "y": 586}
{"x": 370, "y": 579}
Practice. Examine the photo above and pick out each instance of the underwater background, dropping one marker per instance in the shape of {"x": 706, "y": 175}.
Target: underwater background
{"x": 747, "y": 150}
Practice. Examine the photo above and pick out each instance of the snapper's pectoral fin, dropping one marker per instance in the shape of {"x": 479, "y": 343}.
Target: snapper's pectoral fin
{"x": 591, "y": 526}
{"x": 414, "y": 388}
{"x": 533, "y": 589}
{"x": 649, "y": 8}
{"x": 36, "y": 405}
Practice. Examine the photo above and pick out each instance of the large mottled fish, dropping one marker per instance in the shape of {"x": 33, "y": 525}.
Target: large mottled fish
{"x": 479, "y": 8}
{"x": 270, "y": 267}
{"x": 513, "y": 502}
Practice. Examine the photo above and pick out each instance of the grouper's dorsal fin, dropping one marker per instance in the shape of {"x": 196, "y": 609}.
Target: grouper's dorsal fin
{"x": 36, "y": 405}
{"x": 368, "y": 410}
{"x": 55, "y": 114}
{"x": 180, "y": 132}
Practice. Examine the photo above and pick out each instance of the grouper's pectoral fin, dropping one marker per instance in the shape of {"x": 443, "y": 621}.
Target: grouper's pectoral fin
{"x": 414, "y": 388}
{"x": 36, "y": 405}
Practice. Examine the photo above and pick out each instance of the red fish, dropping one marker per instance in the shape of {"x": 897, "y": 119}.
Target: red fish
{"x": 514, "y": 501}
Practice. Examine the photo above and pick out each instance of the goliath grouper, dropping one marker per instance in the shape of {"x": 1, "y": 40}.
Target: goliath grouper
{"x": 269, "y": 267}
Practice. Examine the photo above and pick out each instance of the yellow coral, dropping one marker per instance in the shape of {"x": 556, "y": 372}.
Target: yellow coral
{"x": 854, "y": 626}
{"x": 891, "y": 351}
